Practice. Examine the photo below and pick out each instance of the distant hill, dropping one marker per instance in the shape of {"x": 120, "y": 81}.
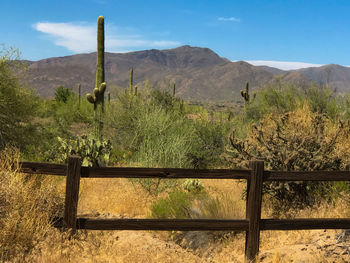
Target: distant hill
{"x": 273, "y": 70}
{"x": 199, "y": 73}
{"x": 336, "y": 76}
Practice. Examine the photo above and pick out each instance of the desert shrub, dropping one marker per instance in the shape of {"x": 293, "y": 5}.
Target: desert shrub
{"x": 221, "y": 206}
{"x": 176, "y": 205}
{"x": 17, "y": 105}
{"x": 62, "y": 94}
{"x": 281, "y": 97}
{"x": 277, "y": 98}
{"x": 28, "y": 205}
{"x": 323, "y": 100}
{"x": 298, "y": 140}
{"x": 179, "y": 202}
{"x": 150, "y": 130}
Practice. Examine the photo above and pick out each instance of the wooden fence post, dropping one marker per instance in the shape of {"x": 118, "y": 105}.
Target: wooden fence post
{"x": 72, "y": 193}
{"x": 253, "y": 212}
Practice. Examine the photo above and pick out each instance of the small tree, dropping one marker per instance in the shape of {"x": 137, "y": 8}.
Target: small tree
{"x": 16, "y": 104}
{"x": 62, "y": 94}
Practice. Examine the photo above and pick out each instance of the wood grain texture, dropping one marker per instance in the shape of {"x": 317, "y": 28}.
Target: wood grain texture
{"x": 205, "y": 224}
{"x": 254, "y": 209}
{"x": 162, "y": 224}
{"x": 307, "y": 176}
{"x": 42, "y": 168}
{"x": 304, "y": 224}
{"x": 167, "y": 173}
{"x": 72, "y": 192}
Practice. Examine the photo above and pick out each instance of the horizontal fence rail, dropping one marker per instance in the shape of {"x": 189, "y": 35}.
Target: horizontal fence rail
{"x": 206, "y": 224}
{"x": 307, "y": 176}
{"x": 166, "y": 173}
{"x": 252, "y": 225}
{"x": 173, "y": 173}
{"x": 42, "y": 168}
{"x": 159, "y": 224}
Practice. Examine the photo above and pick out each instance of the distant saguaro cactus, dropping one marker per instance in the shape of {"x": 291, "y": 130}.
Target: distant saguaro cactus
{"x": 79, "y": 96}
{"x": 98, "y": 97}
{"x": 131, "y": 81}
{"x": 245, "y": 94}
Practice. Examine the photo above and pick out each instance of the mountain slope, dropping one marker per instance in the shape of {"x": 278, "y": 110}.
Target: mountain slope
{"x": 338, "y": 77}
{"x": 199, "y": 73}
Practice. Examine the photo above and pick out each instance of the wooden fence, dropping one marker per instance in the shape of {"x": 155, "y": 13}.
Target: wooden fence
{"x": 253, "y": 223}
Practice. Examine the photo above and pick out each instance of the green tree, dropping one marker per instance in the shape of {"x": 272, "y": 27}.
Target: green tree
{"x": 62, "y": 94}
{"x": 17, "y": 104}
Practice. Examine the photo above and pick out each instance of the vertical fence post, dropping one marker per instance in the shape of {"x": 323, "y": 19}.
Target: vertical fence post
{"x": 72, "y": 193}
{"x": 253, "y": 212}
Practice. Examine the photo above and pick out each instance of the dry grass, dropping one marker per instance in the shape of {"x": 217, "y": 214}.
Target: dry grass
{"x": 26, "y": 235}
{"x": 113, "y": 196}
{"x": 26, "y": 206}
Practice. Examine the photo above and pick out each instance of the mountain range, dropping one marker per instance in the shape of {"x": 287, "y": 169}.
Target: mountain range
{"x": 199, "y": 73}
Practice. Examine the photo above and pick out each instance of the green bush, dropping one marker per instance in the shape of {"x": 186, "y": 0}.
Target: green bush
{"x": 281, "y": 97}
{"x": 154, "y": 135}
{"x": 17, "y": 105}
{"x": 176, "y": 205}
{"x": 179, "y": 202}
{"x": 63, "y": 94}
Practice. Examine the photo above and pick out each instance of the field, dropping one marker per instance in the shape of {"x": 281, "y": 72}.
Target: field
{"x": 121, "y": 198}
{"x": 289, "y": 128}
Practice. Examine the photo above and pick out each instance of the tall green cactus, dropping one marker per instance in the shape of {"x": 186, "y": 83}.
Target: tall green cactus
{"x": 79, "y": 96}
{"x": 131, "y": 81}
{"x": 245, "y": 94}
{"x": 174, "y": 90}
{"x": 98, "y": 97}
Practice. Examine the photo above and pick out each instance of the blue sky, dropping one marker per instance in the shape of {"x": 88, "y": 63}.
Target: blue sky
{"x": 308, "y": 31}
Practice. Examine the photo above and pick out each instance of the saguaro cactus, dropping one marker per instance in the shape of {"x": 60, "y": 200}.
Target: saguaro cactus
{"x": 174, "y": 90}
{"x": 79, "y": 96}
{"x": 131, "y": 81}
{"x": 245, "y": 94}
{"x": 98, "y": 97}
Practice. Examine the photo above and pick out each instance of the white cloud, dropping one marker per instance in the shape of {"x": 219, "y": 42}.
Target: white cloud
{"x": 76, "y": 38}
{"x": 229, "y": 19}
{"x": 82, "y": 37}
{"x": 282, "y": 64}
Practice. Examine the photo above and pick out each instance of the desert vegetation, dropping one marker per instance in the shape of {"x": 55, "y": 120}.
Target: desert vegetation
{"x": 288, "y": 127}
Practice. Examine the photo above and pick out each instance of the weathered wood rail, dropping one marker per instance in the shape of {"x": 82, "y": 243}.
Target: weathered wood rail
{"x": 252, "y": 225}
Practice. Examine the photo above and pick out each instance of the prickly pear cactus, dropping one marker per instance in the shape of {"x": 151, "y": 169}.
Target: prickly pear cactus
{"x": 94, "y": 152}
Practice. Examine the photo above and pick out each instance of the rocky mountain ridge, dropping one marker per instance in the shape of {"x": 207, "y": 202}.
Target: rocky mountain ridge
{"x": 199, "y": 73}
